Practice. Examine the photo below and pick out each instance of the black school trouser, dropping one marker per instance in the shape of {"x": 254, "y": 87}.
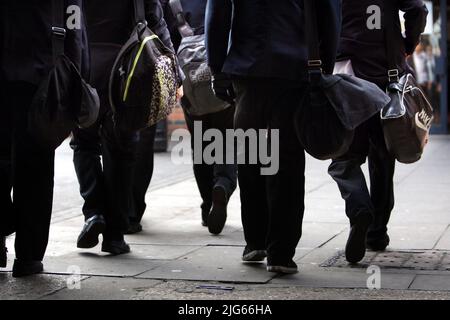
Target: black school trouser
{"x": 28, "y": 169}
{"x": 272, "y": 206}
{"x": 209, "y": 176}
{"x": 106, "y": 186}
{"x": 143, "y": 173}
{"x": 346, "y": 171}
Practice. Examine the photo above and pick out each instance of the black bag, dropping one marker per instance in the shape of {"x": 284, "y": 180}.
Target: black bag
{"x": 407, "y": 119}
{"x": 64, "y": 100}
{"x": 334, "y": 105}
{"x": 192, "y": 60}
{"x": 143, "y": 82}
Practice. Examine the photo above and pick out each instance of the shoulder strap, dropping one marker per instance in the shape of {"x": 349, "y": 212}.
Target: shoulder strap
{"x": 391, "y": 41}
{"x": 312, "y": 35}
{"x": 139, "y": 11}
{"x": 58, "y": 28}
{"x": 183, "y": 26}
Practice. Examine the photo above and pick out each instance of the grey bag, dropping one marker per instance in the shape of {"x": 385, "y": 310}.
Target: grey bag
{"x": 192, "y": 60}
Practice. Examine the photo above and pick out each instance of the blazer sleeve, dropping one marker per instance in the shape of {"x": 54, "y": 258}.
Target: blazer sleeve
{"x": 217, "y": 32}
{"x": 329, "y": 21}
{"x": 415, "y": 21}
{"x": 156, "y": 22}
{"x": 76, "y": 42}
{"x": 172, "y": 25}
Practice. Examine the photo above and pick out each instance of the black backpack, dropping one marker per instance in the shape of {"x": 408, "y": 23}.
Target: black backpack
{"x": 192, "y": 59}
{"x": 143, "y": 81}
{"x": 64, "y": 100}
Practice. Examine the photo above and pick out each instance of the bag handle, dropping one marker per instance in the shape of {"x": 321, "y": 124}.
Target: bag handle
{"x": 183, "y": 26}
{"x": 392, "y": 46}
{"x": 58, "y": 29}
{"x": 312, "y": 35}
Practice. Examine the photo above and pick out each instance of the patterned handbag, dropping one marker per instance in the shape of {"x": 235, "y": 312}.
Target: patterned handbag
{"x": 143, "y": 81}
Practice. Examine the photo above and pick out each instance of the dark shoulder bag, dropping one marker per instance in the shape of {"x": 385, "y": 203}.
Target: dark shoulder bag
{"x": 407, "y": 119}
{"x": 334, "y": 105}
{"x": 143, "y": 81}
{"x": 64, "y": 100}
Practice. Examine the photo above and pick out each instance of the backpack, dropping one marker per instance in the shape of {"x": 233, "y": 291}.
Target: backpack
{"x": 143, "y": 80}
{"x": 192, "y": 60}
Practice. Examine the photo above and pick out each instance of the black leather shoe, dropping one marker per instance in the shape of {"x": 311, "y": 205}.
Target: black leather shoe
{"x": 289, "y": 267}
{"x": 26, "y": 268}
{"x": 355, "y": 250}
{"x": 135, "y": 227}
{"x": 218, "y": 215}
{"x": 92, "y": 228}
{"x": 379, "y": 244}
{"x": 3, "y": 252}
{"x": 254, "y": 255}
{"x": 115, "y": 247}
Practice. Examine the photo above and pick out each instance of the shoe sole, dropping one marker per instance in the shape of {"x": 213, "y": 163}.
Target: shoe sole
{"x": 115, "y": 251}
{"x": 218, "y": 216}
{"x": 18, "y": 273}
{"x": 89, "y": 239}
{"x": 355, "y": 249}
{"x": 255, "y": 256}
{"x": 281, "y": 269}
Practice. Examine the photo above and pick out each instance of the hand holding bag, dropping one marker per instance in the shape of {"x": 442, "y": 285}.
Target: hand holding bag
{"x": 407, "y": 119}
{"x": 64, "y": 100}
{"x": 334, "y": 105}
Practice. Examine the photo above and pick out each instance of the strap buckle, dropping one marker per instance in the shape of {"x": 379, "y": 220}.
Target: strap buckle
{"x": 315, "y": 63}
{"x": 393, "y": 75}
{"x": 59, "y": 32}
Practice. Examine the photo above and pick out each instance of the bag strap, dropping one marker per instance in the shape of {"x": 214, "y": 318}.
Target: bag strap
{"x": 139, "y": 12}
{"x": 58, "y": 28}
{"x": 183, "y": 26}
{"x": 391, "y": 42}
{"x": 312, "y": 35}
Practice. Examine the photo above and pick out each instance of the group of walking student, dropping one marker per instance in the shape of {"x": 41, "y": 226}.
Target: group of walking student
{"x": 256, "y": 51}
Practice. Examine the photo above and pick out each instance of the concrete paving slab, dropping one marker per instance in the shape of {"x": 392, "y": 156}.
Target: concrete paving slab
{"x": 316, "y": 234}
{"x": 159, "y": 252}
{"x": 104, "y": 288}
{"x": 99, "y": 265}
{"x": 444, "y": 242}
{"x": 335, "y": 279}
{"x": 211, "y": 264}
{"x": 186, "y": 233}
{"x": 431, "y": 283}
{"x": 417, "y": 237}
{"x": 30, "y": 288}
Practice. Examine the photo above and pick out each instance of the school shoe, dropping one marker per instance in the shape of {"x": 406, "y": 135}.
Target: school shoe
{"x": 218, "y": 215}
{"x": 355, "y": 249}
{"x": 379, "y": 244}
{"x": 3, "y": 252}
{"x": 26, "y": 268}
{"x": 92, "y": 228}
{"x": 133, "y": 228}
{"x": 252, "y": 255}
{"x": 289, "y": 267}
{"x": 115, "y": 247}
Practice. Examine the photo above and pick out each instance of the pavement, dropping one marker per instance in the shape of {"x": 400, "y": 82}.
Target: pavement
{"x": 176, "y": 258}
